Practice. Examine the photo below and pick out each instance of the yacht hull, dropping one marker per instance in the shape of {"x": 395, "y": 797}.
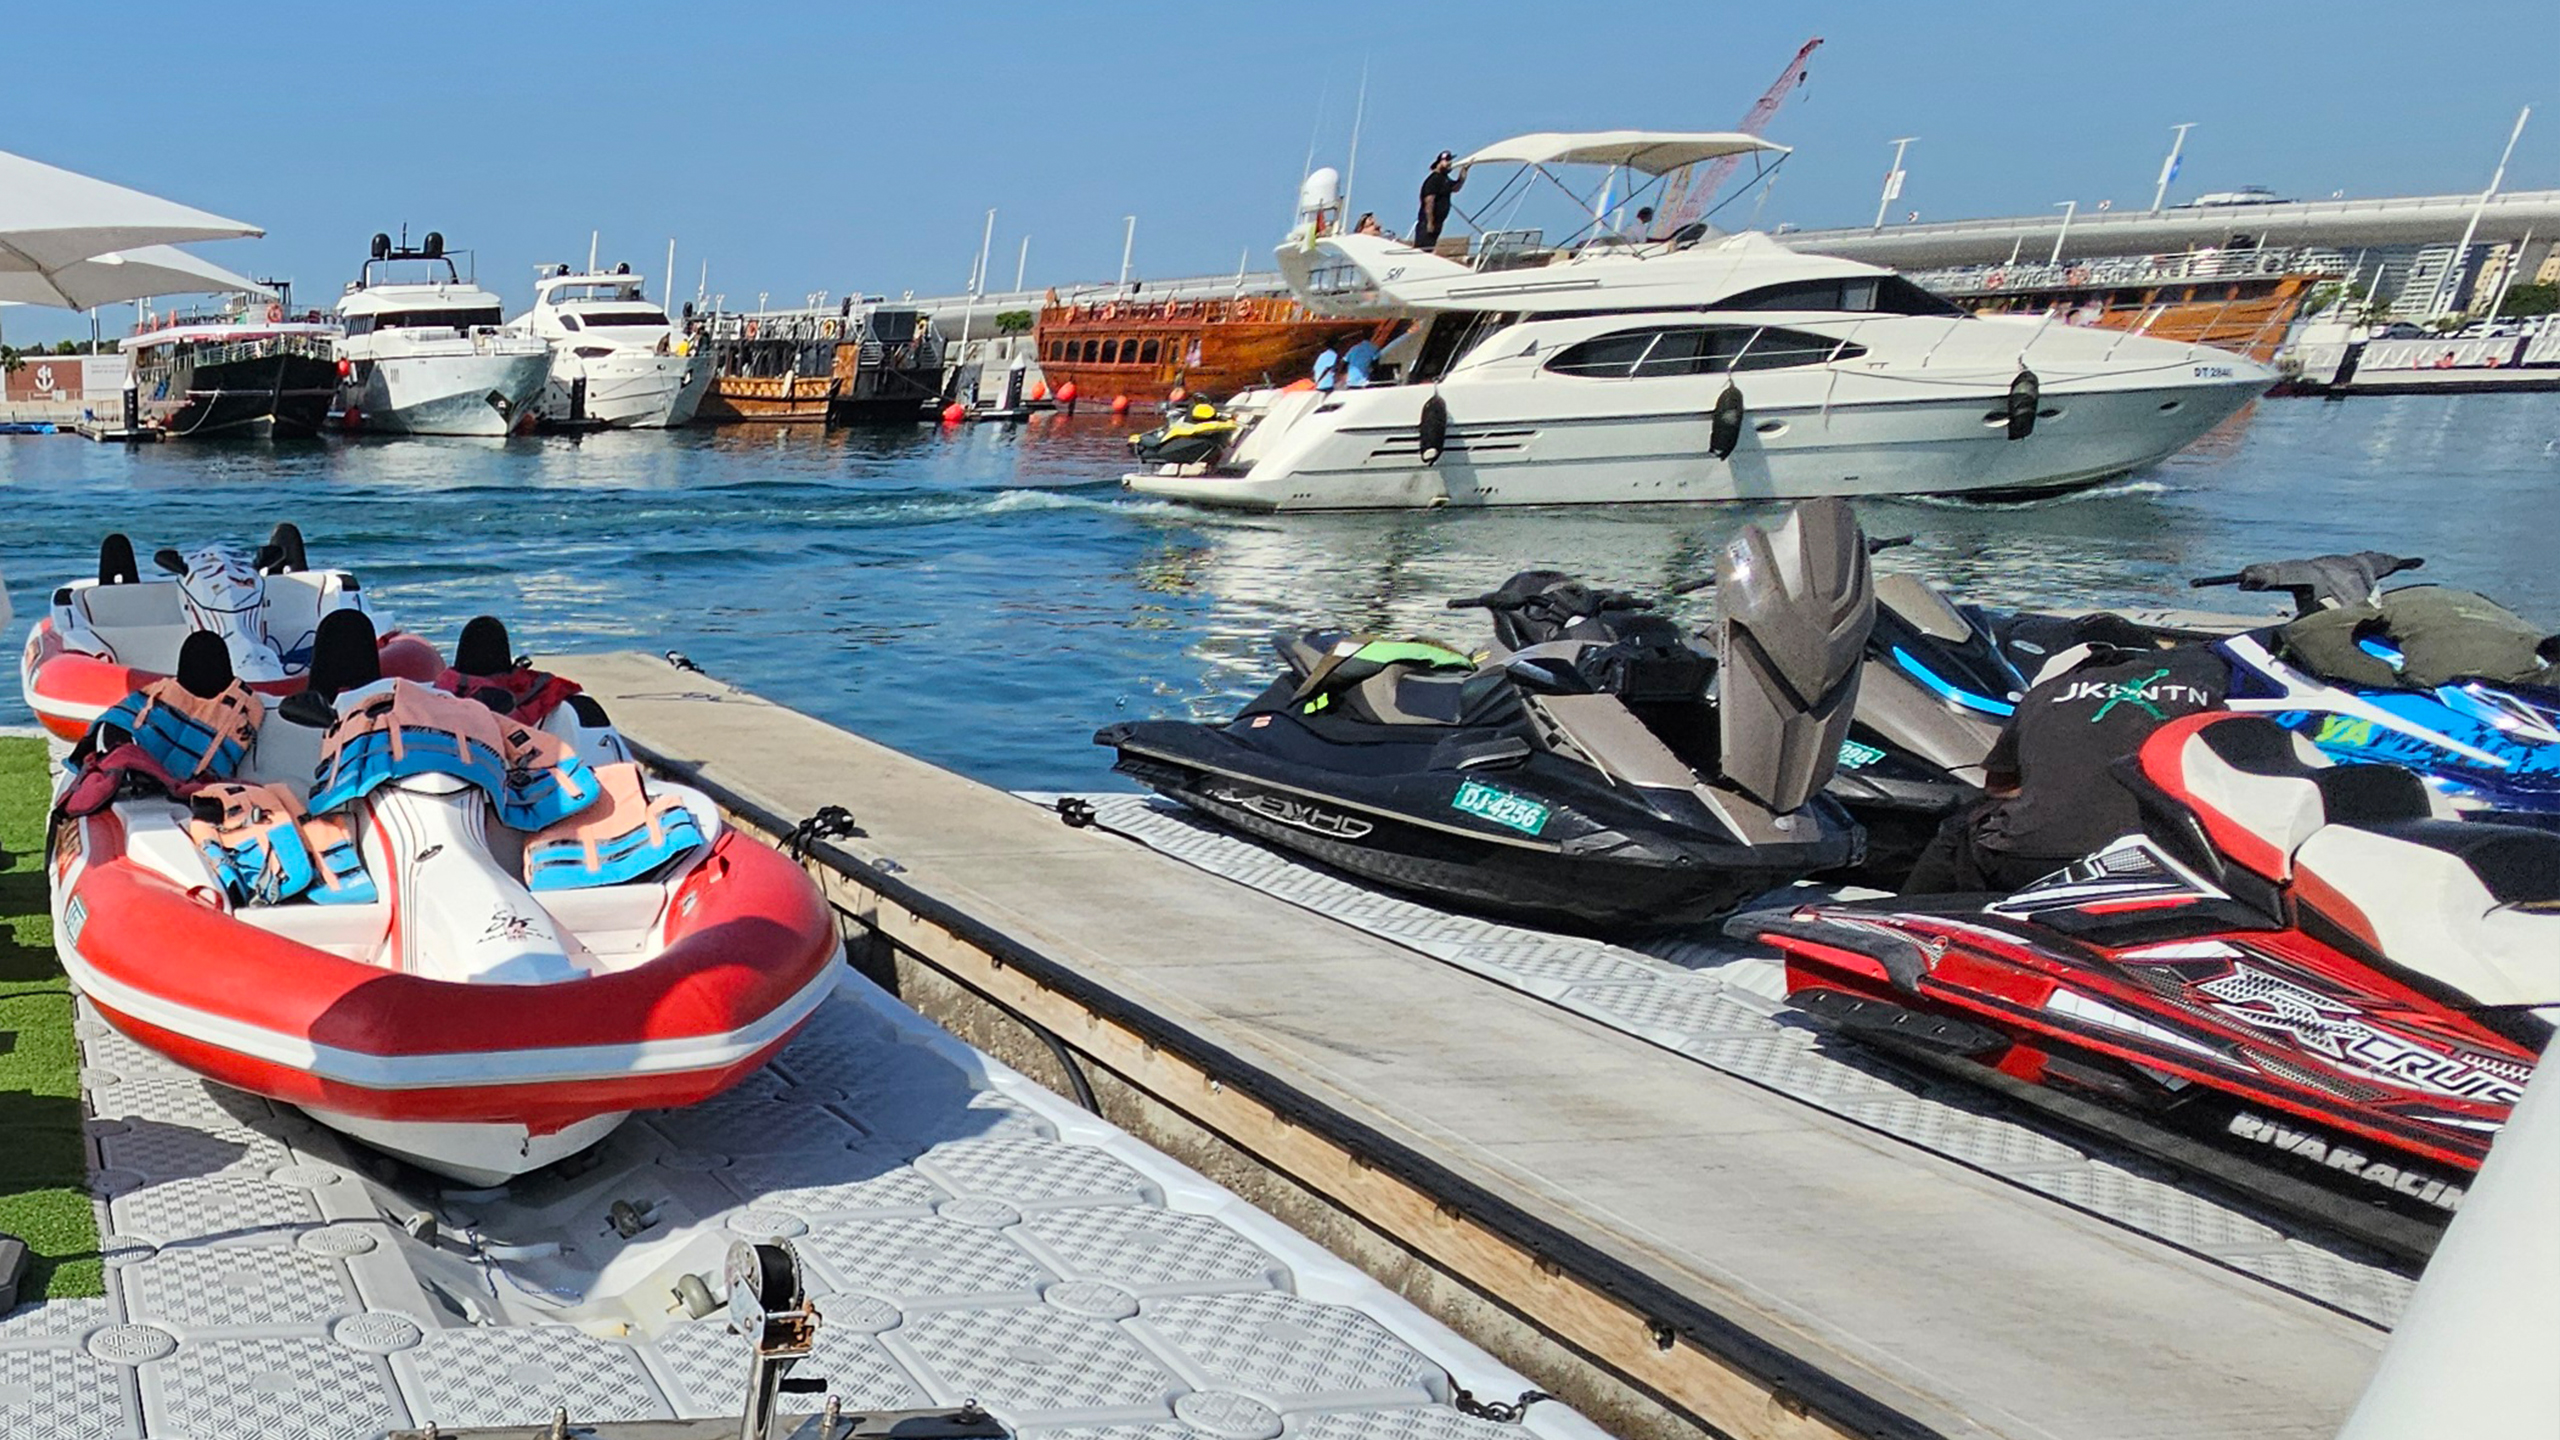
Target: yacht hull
{"x": 639, "y": 391}
{"x": 1787, "y": 451}
{"x": 475, "y": 394}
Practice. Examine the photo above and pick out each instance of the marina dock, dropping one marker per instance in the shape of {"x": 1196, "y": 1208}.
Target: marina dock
{"x": 1660, "y": 1241}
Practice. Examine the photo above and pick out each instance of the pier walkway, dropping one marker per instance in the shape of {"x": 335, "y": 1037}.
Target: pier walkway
{"x": 1663, "y": 1243}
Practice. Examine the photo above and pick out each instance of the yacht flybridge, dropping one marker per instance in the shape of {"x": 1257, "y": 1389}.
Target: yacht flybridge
{"x": 615, "y": 358}
{"x": 430, "y": 357}
{"x": 1650, "y": 361}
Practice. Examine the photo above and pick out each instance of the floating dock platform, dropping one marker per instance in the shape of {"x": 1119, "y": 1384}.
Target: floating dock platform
{"x": 1630, "y": 1176}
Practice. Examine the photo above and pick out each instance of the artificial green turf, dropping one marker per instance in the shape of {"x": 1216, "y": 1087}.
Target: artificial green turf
{"x": 44, "y": 1195}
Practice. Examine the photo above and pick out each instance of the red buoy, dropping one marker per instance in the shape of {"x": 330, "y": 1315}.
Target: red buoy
{"x": 1039, "y": 391}
{"x": 1178, "y": 396}
{"x": 1119, "y": 404}
{"x": 1067, "y": 393}
{"x": 954, "y": 413}
{"x": 345, "y": 369}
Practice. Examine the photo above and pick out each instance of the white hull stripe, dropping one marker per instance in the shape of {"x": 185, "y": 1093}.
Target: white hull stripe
{"x": 561, "y": 1065}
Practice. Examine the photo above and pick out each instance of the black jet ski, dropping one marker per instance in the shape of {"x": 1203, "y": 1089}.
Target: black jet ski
{"x": 1574, "y": 780}
{"x": 2437, "y": 680}
{"x": 1933, "y": 691}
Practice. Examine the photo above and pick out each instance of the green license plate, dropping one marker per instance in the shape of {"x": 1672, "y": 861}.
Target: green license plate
{"x": 1485, "y": 802}
{"x": 1855, "y": 756}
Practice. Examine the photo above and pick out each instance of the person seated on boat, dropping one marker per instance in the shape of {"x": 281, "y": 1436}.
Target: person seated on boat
{"x": 1643, "y": 231}
{"x": 173, "y": 736}
{"x": 1357, "y": 362}
{"x": 487, "y": 669}
{"x": 1328, "y": 366}
{"x": 1369, "y": 224}
{"x": 2052, "y": 794}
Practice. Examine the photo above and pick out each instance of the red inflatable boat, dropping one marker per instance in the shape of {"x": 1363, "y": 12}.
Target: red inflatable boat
{"x": 104, "y": 639}
{"x": 432, "y": 926}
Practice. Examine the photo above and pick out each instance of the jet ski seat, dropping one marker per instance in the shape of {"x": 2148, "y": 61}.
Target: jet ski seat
{"x": 1378, "y": 682}
{"x": 143, "y": 622}
{"x": 2466, "y": 905}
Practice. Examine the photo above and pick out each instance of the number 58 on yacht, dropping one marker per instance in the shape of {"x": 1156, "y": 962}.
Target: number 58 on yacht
{"x": 1637, "y": 366}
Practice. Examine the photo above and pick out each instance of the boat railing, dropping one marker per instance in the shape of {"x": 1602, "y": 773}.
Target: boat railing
{"x": 803, "y": 326}
{"x": 2124, "y": 270}
{"x": 262, "y": 347}
{"x": 1236, "y": 309}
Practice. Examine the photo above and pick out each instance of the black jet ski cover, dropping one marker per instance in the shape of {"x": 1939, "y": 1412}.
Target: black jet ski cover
{"x": 2442, "y": 635}
{"x": 1797, "y": 605}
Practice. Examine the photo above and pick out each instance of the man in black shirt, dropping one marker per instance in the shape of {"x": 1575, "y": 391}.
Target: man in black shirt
{"x": 2052, "y": 797}
{"x": 1437, "y": 187}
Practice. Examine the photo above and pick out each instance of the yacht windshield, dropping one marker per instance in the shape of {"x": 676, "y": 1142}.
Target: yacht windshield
{"x": 452, "y": 319}
{"x": 1662, "y": 350}
{"x": 623, "y": 317}
{"x": 1864, "y": 294}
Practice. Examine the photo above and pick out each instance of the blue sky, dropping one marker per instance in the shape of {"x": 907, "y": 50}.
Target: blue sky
{"x": 802, "y": 147}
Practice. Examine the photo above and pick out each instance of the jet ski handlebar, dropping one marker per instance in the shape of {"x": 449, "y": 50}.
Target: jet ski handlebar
{"x": 1600, "y": 600}
{"x": 1876, "y": 545}
{"x": 2319, "y": 583}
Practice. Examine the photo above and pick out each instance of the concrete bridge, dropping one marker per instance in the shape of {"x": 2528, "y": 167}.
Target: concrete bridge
{"x": 2336, "y": 224}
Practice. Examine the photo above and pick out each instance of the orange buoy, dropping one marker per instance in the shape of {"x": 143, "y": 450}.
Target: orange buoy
{"x": 1067, "y": 393}
{"x": 954, "y": 413}
{"x": 1119, "y": 404}
{"x": 1178, "y": 396}
{"x": 1039, "y": 391}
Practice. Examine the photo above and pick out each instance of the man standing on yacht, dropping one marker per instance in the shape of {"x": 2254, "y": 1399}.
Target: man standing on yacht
{"x": 1437, "y": 187}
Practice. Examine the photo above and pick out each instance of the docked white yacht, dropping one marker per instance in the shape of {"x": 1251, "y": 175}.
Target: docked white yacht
{"x": 616, "y": 360}
{"x": 1640, "y": 366}
{"x": 431, "y": 357}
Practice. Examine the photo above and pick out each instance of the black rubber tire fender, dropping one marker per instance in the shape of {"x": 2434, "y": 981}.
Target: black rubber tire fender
{"x": 2025, "y": 394}
{"x": 1724, "y": 423}
{"x": 1433, "y": 436}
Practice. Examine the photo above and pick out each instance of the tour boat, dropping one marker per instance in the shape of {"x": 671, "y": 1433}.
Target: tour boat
{"x": 106, "y": 638}
{"x": 615, "y": 358}
{"x": 475, "y": 940}
{"x": 248, "y": 373}
{"x": 430, "y": 357}
{"x": 1625, "y": 365}
{"x": 856, "y": 363}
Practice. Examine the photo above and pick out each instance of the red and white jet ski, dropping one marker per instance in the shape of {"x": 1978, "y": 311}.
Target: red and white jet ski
{"x": 105, "y": 639}
{"x": 467, "y": 938}
{"x": 2300, "y": 978}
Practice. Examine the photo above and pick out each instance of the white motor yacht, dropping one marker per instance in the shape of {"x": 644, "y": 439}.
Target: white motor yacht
{"x": 431, "y": 357}
{"x": 1634, "y": 367}
{"x": 615, "y": 358}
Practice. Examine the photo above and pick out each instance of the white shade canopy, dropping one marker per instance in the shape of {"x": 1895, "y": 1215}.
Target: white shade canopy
{"x": 1647, "y": 152}
{"x": 122, "y": 275}
{"x": 51, "y": 219}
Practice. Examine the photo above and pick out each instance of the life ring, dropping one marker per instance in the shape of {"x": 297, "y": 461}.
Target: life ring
{"x": 828, "y": 330}
{"x": 751, "y": 329}
{"x": 275, "y": 313}
{"x": 1995, "y": 279}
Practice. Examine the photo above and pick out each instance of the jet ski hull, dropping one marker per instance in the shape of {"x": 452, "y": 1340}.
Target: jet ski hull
{"x": 2180, "y": 1042}
{"x": 1595, "y": 863}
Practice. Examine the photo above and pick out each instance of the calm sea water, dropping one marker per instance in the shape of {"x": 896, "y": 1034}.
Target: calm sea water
{"x": 985, "y": 598}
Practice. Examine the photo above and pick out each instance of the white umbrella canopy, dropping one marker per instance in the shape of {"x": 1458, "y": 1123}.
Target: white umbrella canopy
{"x": 51, "y": 218}
{"x": 122, "y": 275}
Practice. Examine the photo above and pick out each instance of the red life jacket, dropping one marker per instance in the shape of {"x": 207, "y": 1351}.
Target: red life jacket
{"x": 523, "y": 693}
